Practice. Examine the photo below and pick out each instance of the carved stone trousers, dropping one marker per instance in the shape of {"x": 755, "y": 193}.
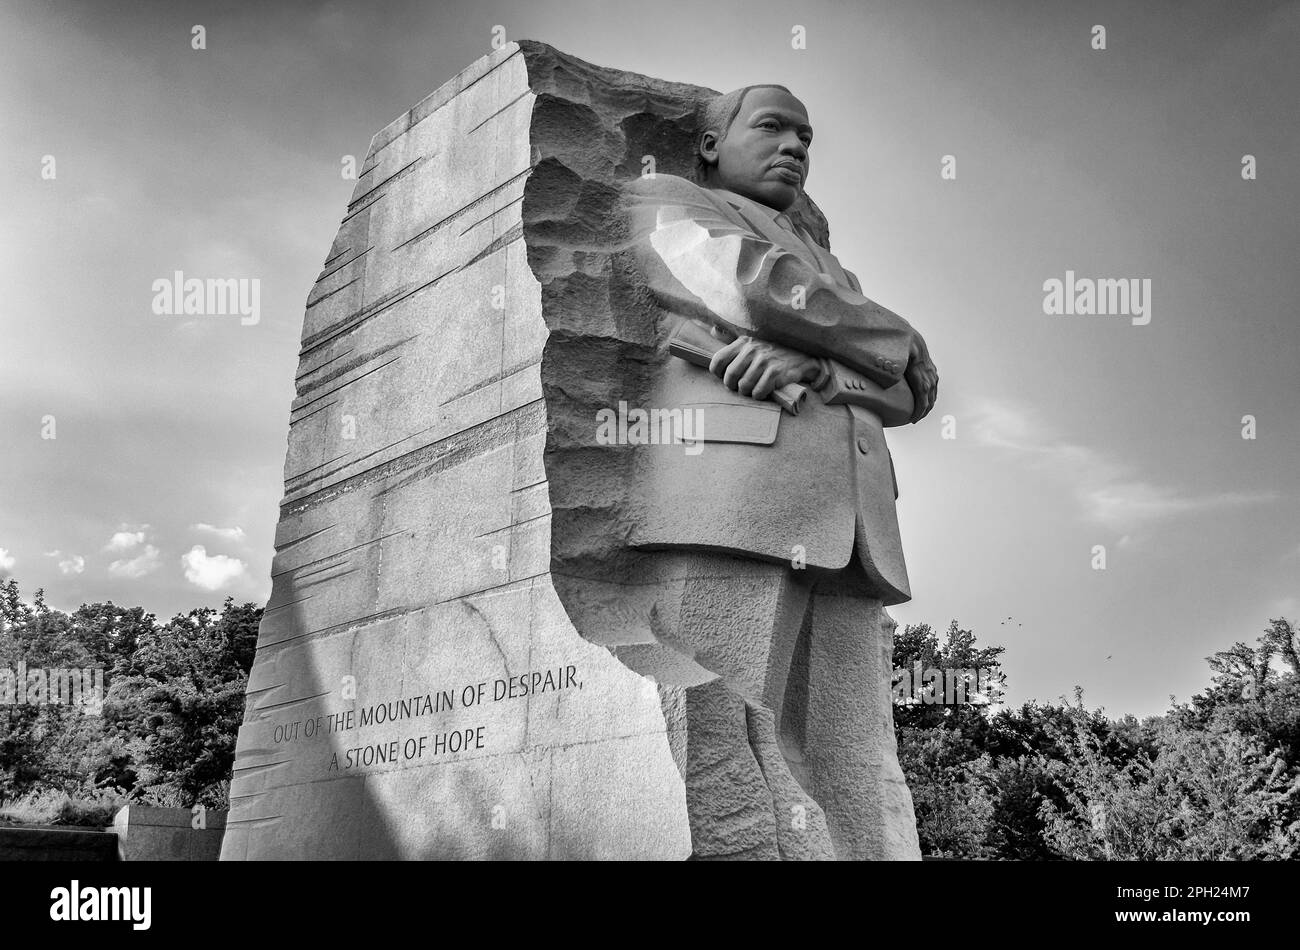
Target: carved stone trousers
{"x": 776, "y": 688}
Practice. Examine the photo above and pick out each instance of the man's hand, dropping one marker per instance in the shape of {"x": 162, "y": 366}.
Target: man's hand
{"x": 758, "y": 368}
{"x": 922, "y": 378}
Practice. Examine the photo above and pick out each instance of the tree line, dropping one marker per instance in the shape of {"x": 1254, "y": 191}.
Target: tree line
{"x": 173, "y": 703}
{"x": 1217, "y": 777}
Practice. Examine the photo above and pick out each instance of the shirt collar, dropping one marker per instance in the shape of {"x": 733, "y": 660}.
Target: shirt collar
{"x": 782, "y": 219}
{"x": 745, "y": 202}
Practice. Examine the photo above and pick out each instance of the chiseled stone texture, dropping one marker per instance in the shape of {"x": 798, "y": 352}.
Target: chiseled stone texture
{"x": 593, "y": 129}
{"x": 414, "y": 550}
{"x": 449, "y": 519}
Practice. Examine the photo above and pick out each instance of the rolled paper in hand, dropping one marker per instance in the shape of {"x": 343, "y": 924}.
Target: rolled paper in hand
{"x": 696, "y": 345}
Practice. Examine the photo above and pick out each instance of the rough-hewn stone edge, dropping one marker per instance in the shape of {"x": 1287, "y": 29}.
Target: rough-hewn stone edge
{"x": 552, "y": 72}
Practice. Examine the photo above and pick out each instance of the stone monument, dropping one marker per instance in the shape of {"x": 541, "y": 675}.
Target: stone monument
{"x": 484, "y": 633}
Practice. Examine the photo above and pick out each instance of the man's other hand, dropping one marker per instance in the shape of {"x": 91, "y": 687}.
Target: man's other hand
{"x": 922, "y": 378}
{"x": 757, "y": 368}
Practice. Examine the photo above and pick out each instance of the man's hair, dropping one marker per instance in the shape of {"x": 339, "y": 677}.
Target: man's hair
{"x": 717, "y": 115}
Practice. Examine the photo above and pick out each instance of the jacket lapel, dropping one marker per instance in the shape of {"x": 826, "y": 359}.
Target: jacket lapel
{"x": 763, "y": 223}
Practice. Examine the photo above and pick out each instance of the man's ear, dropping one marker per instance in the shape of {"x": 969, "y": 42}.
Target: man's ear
{"x": 709, "y": 146}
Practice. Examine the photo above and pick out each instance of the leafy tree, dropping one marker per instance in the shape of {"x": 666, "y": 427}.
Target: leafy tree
{"x": 1214, "y": 779}
{"x": 917, "y": 646}
{"x": 183, "y": 701}
{"x": 1019, "y": 787}
{"x": 948, "y": 779}
{"x": 110, "y": 633}
{"x": 175, "y": 700}
{"x": 1207, "y": 795}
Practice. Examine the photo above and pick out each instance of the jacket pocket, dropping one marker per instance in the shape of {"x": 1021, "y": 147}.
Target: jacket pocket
{"x": 755, "y": 424}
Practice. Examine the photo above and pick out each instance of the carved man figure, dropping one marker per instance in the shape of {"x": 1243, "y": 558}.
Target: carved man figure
{"x": 779, "y": 540}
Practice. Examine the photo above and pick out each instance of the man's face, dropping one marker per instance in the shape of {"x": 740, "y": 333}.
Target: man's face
{"x": 764, "y": 155}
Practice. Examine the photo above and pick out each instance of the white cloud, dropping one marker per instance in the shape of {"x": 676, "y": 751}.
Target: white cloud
{"x": 210, "y": 572}
{"x": 72, "y": 564}
{"x": 229, "y": 534}
{"x": 1108, "y": 493}
{"x": 7, "y": 560}
{"x": 144, "y": 563}
{"x": 126, "y": 538}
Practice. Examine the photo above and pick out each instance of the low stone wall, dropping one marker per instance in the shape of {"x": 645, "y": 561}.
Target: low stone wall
{"x": 145, "y": 833}
{"x": 57, "y": 844}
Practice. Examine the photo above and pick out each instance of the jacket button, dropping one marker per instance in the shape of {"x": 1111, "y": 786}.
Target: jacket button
{"x": 863, "y": 445}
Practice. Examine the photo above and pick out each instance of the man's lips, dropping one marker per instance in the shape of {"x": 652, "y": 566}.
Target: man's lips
{"x": 789, "y": 170}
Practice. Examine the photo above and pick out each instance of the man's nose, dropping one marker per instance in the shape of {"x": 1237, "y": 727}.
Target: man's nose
{"x": 795, "y": 148}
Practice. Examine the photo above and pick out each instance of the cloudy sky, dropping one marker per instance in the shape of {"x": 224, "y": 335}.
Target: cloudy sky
{"x": 161, "y": 482}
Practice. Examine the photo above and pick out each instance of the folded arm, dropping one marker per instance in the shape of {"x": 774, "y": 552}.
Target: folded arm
{"x": 703, "y": 264}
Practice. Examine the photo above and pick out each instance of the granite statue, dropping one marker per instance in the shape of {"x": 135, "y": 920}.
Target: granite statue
{"x": 781, "y": 534}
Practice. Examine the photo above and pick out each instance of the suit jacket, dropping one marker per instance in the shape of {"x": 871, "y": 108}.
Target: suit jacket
{"x": 811, "y": 487}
